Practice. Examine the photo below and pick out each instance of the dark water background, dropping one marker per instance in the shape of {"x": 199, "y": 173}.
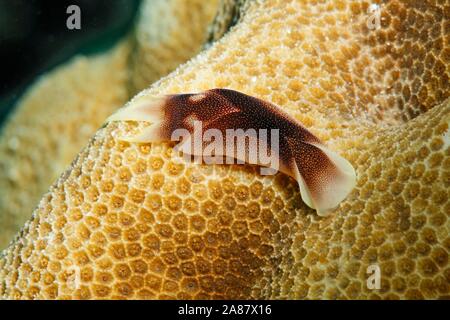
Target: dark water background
{"x": 34, "y": 38}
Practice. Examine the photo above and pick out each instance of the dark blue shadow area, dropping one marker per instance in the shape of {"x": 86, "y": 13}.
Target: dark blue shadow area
{"x": 34, "y": 38}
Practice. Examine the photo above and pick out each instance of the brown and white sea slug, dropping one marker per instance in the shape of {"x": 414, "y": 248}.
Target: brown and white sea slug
{"x": 223, "y": 124}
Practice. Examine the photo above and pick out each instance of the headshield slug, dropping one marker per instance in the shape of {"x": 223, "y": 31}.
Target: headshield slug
{"x": 324, "y": 177}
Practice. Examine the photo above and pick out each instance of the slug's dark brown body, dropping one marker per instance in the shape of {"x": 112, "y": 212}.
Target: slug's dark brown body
{"x": 324, "y": 177}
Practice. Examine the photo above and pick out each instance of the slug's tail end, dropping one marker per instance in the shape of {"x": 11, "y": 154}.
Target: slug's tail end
{"x": 324, "y": 177}
{"x": 150, "y": 110}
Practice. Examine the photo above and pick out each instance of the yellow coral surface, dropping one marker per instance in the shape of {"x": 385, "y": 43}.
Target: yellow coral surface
{"x": 136, "y": 221}
{"x": 168, "y": 33}
{"x": 50, "y": 124}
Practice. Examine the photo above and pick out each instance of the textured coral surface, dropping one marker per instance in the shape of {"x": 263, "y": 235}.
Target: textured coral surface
{"x": 50, "y": 125}
{"x": 135, "y": 221}
{"x": 168, "y": 33}
{"x": 65, "y": 107}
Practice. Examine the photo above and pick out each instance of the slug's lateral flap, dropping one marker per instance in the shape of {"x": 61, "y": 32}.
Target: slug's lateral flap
{"x": 324, "y": 177}
{"x": 340, "y": 184}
